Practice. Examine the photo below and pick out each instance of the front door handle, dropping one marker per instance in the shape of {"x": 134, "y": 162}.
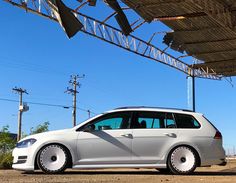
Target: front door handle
{"x": 173, "y": 135}
{"x": 128, "y": 135}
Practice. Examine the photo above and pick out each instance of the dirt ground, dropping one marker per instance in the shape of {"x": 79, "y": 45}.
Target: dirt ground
{"x": 214, "y": 174}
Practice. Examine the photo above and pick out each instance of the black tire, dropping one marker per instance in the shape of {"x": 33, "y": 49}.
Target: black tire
{"x": 182, "y": 160}
{"x": 53, "y": 159}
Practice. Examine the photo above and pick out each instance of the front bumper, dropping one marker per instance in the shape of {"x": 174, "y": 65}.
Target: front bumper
{"x": 23, "y": 159}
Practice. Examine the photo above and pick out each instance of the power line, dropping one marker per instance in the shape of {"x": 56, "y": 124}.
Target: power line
{"x": 49, "y": 105}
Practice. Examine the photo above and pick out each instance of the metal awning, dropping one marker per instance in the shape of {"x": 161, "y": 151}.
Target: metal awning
{"x": 204, "y": 29}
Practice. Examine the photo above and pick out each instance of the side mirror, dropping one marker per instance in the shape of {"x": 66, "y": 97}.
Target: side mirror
{"x": 88, "y": 128}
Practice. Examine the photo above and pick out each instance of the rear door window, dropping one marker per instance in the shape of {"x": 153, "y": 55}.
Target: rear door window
{"x": 150, "y": 120}
{"x": 169, "y": 121}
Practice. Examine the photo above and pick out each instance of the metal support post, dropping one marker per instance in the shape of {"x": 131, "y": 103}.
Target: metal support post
{"x": 193, "y": 93}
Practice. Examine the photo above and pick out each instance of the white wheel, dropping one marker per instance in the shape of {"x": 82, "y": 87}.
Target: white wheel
{"x": 52, "y": 159}
{"x": 182, "y": 160}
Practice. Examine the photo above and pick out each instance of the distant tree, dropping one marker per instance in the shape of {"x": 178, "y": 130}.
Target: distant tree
{"x": 40, "y": 128}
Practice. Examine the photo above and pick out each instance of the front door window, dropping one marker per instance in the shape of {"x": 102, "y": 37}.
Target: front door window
{"x": 112, "y": 122}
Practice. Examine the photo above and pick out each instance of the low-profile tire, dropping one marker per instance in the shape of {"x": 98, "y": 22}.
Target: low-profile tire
{"x": 53, "y": 159}
{"x": 182, "y": 160}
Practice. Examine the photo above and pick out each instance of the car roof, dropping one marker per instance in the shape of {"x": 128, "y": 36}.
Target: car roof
{"x": 157, "y": 109}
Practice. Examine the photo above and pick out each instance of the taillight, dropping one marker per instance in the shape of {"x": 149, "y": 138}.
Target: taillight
{"x": 218, "y": 135}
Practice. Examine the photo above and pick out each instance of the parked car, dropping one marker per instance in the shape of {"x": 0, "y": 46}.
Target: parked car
{"x": 169, "y": 140}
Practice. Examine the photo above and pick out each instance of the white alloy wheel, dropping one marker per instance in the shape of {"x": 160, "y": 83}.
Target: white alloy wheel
{"x": 182, "y": 160}
{"x": 52, "y": 159}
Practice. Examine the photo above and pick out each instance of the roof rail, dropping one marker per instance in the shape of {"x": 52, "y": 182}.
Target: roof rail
{"x": 137, "y": 107}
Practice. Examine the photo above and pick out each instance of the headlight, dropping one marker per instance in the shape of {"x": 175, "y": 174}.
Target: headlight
{"x": 25, "y": 143}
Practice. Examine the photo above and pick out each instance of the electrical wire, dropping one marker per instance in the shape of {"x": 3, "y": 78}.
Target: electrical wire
{"x": 49, "y": 105}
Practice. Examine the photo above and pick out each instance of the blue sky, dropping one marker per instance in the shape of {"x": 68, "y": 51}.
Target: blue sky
{"x": 36, "y": 55}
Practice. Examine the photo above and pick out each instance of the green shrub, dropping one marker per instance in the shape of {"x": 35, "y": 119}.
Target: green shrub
{"x": 6, "y": 160}
{"x": 7, "y": 143}
{"x": 6, "y": 146}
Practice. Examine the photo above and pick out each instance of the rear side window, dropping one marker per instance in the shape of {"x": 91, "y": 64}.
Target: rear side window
{"x": 186, "y": 121}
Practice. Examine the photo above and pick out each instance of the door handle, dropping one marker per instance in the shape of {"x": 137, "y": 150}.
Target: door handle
{"x": 173, "y": 135}
{"x": 128, "y": 135}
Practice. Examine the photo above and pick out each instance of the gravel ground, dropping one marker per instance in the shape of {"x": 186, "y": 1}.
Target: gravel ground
{"x": 214, "y": 174}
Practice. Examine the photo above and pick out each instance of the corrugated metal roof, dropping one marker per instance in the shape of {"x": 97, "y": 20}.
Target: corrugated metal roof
{"x": 206, "y": 30}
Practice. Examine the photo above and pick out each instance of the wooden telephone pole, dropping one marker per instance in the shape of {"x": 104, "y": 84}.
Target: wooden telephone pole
{"x": 22, "y": 109}
{"x": 75, "y": 84}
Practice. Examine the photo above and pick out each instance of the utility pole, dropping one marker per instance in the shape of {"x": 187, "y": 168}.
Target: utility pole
{"x": 74, "y": 82}
{"x": 22, "y": 108}
{"x": 89, "y": 113}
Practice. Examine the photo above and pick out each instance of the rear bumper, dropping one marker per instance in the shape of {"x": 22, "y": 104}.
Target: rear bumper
{"x": 213, "y": 154}
{"x": 224, "y": 162}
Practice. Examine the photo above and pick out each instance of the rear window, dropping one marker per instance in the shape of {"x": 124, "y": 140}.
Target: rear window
{"x": 186, "y": 121}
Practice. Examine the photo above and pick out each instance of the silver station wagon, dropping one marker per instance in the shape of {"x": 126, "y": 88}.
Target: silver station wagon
{"x": 169, "y": 140}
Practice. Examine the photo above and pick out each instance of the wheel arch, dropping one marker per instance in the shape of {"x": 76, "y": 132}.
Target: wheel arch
{"x": 68, "y": 150}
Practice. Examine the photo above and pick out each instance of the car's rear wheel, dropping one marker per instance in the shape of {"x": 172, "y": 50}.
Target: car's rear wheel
{"x": 52, "y": 158}
{"x": 182, "y": 160}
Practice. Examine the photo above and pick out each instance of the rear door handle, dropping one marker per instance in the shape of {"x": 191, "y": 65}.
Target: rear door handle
{"x": 173, "y": 135}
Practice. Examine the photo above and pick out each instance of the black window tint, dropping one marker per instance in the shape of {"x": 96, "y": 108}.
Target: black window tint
{"x": 151, "y": 120}
{"x": 186, "y": 121}
{"x": 148, "y": 119}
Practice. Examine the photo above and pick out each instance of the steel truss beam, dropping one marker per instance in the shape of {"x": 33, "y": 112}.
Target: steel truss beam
{"x": 115, "y": 36}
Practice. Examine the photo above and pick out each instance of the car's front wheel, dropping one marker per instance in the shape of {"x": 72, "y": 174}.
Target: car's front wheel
{"x": 182, "y": 160}
{"x": 52, "y": 158}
